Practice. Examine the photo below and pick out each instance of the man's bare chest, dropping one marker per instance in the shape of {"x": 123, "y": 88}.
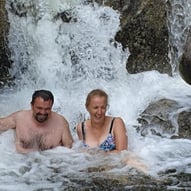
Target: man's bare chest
{"x": 38, "y": 138}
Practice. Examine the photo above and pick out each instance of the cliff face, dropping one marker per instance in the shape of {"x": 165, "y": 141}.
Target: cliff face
{"x": 185, "y": 60}
{"x": 144, "y": 30}
{"x": 4, "y": 52}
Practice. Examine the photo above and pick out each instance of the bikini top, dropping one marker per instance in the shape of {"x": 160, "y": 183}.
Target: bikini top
{"x": 108, "y": 144}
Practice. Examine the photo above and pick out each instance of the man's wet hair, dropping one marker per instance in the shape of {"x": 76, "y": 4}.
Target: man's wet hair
{"x": 44, "y": 94}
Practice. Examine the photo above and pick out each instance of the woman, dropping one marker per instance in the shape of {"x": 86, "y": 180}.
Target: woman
{"x": 100, "y": 131}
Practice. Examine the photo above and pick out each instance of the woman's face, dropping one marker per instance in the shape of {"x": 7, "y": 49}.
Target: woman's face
{"x": 97, "y": 107}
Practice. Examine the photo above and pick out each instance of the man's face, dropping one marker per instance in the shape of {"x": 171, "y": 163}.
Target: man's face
{"x": 41, "y": 109}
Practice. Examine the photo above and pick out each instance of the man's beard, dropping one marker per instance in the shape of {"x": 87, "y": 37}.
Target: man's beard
{"x": 41, "y": 117}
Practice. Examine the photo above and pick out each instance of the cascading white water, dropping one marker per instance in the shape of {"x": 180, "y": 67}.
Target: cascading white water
{"x": 179, "y": 25}
{"x": 71, "y": 59}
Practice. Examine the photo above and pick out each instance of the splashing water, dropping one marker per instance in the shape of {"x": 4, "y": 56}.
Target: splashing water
{"x": 70, "y": 59}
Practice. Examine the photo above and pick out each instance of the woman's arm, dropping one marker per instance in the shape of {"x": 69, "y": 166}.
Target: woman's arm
{"x": 67, "y": 138}
{"x": 120, "y": 135}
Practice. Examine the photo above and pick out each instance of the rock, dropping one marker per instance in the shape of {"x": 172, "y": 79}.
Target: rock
{"x": 5, "y": 63}
{"x": 144, "y": 31}
{"x": 162, "y": 118}
{"x": 156, "y": 119}
{"x": 184, "y": 122}
{"x": 185, "y": 61}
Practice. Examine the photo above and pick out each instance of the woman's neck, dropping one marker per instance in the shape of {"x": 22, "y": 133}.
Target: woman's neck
{"x": 98, "y": 124}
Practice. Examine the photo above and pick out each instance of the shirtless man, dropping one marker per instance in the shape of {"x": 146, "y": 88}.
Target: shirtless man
{"x": 38, "y": 128}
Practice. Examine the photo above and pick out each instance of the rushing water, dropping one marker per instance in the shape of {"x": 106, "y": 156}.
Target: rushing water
{"x": 71, "y": 59}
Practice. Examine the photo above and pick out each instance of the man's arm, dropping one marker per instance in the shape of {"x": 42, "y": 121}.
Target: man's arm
{"x": 79, "y": 131}
{"x": 8, "y": 122}
{"x": 67, "y": 139}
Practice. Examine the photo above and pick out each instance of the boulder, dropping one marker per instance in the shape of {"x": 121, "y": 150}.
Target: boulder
{"x": 5, "y": 63}
{"x": 165, "y": 118}
{"x": 144, "y": 31}
{"x": 185, "y": 60}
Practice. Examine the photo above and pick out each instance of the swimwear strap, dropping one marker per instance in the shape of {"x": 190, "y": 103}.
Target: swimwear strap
{"x": 83, "y": 130}
{"x": 111, "y": 125}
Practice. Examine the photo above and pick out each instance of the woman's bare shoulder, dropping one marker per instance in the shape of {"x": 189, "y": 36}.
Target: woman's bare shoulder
{"x": 119, "y": 122}
{"x": 118, "y": 119}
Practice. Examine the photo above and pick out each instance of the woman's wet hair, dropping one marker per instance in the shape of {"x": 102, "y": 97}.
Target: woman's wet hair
{"x": 96, "y": 92}
{"x": 44, "y": 94}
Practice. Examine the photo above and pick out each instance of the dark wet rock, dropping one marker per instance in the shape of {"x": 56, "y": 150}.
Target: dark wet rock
{"x": 185, "y": 60}
{"x": 185, "y": 69}
{"x": 144, "y": 31}
{"x": 66, "y": 16}
{"x": 5, "y": 62}
{"x": 165, "y": 118}
{"x": 115, "y": 183}
{"x": 184, "y": 122}
{"x": 176, "y": 181}
{"x": 24, "y": 169}
{"x": 157, "y": 118}
{"x": 18, "y": 9}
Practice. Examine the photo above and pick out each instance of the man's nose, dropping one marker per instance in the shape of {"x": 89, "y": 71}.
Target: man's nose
{"x": 43, "y": 111}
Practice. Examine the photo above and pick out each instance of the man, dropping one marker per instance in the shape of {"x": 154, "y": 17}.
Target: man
{"x": 38, "y": 128}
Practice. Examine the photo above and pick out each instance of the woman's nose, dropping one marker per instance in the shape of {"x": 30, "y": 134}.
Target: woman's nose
{"x": 99, "y": 110}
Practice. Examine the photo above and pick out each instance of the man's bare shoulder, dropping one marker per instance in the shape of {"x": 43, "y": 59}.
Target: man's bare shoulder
{"x": 59, "y": 118}
{"x": 10, "y": 121}
{"x": 19, "y": 113}
{"x": 57, "y": 115}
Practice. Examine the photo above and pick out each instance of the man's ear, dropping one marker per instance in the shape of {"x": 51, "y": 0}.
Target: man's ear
{"x": 31, "y": 105}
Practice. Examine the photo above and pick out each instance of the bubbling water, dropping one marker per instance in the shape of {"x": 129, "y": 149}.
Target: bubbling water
{"x": 70, "y": 59}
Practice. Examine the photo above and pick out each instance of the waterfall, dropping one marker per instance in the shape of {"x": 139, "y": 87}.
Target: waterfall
{"x": 68, "y": 53}
{"x": 179, "y": 25}
{"x": 71, "y": 58}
